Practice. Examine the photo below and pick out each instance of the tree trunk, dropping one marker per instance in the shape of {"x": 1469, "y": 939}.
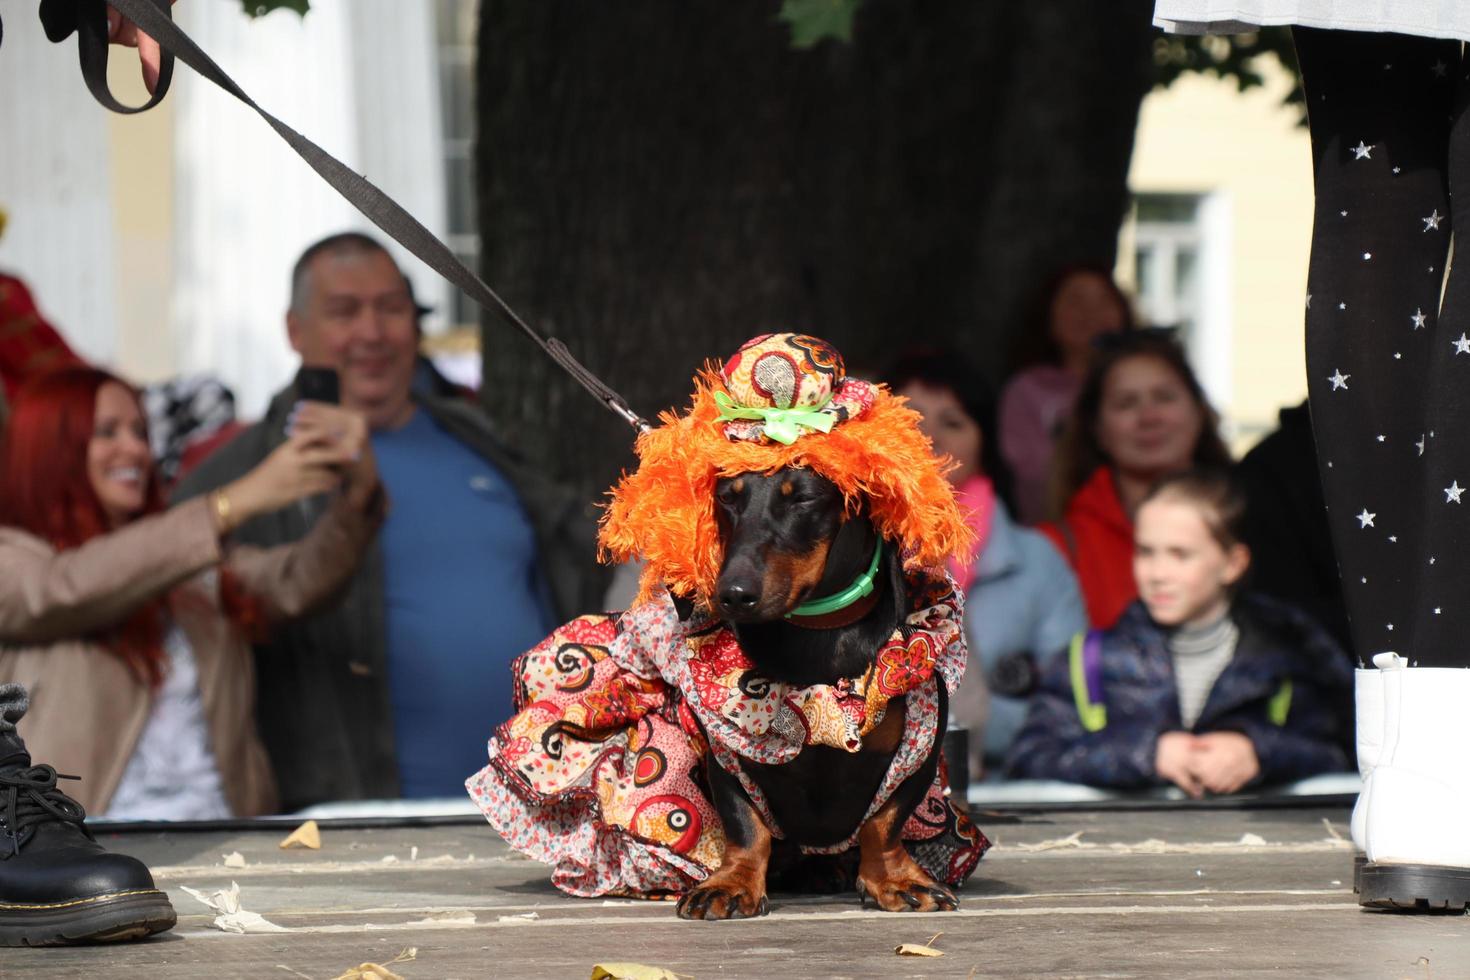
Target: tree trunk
{"x": 660, "y": 181}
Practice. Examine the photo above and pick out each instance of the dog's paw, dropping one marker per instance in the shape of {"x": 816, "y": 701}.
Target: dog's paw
{"x": 918, "y": 893}
{"x": 723, "y": 900}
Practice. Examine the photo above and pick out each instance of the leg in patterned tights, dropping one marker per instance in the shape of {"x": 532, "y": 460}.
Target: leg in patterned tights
{"x": 1378, "y": 350}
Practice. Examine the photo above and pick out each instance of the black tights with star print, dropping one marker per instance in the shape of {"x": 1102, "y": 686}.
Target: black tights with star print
{"x": 1388, "y": 365}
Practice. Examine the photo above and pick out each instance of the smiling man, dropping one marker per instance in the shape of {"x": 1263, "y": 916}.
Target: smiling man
{"x": 390, "y": 692}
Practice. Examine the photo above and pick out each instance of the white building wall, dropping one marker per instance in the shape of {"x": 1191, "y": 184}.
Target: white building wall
{"x": 1246, "y": 156}
{"x": 56, "y": 184}
{"x": 356, "y": 78}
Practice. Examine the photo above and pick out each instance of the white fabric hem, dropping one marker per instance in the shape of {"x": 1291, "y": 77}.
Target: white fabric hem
{"x": 1193, "y": 17}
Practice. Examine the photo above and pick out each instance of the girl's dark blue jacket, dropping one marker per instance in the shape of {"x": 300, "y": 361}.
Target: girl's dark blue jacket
{"x": 1288, "y": 689}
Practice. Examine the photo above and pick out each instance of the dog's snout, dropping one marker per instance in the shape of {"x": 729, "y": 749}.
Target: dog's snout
{"x": 736, "y": 599}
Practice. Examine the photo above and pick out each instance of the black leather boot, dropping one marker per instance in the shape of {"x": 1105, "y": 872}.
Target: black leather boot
{"x": 57, "y": 885}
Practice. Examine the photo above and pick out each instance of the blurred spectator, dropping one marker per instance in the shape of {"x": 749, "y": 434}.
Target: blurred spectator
{"x": 29, "y": 346}
{"x": 183, "y": 413}
{"x": 1286, "y": 524}
{"x": 1140, "y": 416}
{"x": 380, "y": 696}
{"x": 1195, "y": 685}
{"x": 427, "y": 378}
{"x": 1076, "y": 305}
{"x": 1022, "y": 603}
{"x": 131, "y": 621}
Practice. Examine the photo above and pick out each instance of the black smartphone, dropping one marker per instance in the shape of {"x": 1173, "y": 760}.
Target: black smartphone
{"x": 316, "y": 384}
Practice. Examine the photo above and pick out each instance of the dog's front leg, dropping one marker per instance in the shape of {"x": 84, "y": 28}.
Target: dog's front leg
{"x": 886, "y": 872}
{"x": 889, "y": 876}
{"x": 738, "y": 889}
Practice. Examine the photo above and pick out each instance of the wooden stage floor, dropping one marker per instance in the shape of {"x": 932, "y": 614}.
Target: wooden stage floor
{"x": 1066, "y": 893}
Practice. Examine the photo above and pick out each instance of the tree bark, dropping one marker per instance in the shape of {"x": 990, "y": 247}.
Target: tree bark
{"x": 660, "y": 181}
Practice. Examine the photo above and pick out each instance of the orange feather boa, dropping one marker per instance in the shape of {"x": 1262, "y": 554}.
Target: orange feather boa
{"x": 664, "y": 512}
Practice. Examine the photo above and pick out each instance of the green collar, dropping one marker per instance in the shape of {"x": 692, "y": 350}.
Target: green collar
{"x": 860, "y": 589}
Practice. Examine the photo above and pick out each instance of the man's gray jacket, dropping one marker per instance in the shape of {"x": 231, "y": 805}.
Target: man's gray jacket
{"x": 323, "y": 704}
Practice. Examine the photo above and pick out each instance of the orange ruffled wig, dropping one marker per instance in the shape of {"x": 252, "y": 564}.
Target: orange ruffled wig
{"x": 664, "y": 513}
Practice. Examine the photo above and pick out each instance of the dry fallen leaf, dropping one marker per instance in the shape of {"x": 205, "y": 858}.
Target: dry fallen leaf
{"x": 631, "y": 971}
{"x": 914, "y": 949}
{"x": 308, "y": 835}
{"x": 377, "y": 971}
{"x": 234, "y": 859}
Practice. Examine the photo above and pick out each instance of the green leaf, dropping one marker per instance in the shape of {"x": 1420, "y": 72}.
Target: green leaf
{"x": 259, "y": 8}
{"x": 814, "y": 21}
{"x": 1230, "y": 57}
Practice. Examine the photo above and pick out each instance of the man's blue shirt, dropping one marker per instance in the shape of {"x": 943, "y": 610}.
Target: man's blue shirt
{"x": 462, "y": 601}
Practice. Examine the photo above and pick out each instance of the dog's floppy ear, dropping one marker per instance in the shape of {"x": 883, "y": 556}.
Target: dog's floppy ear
{"x": 683, "y": 605}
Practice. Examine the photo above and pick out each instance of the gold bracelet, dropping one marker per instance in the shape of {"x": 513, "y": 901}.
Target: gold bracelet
{"x": 221, "y": 504}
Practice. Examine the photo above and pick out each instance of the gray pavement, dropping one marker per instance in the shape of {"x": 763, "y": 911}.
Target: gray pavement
{"x": 1158, "y": 893}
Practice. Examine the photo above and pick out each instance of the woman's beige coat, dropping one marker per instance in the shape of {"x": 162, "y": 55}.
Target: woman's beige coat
{"x": 88, "y": 707}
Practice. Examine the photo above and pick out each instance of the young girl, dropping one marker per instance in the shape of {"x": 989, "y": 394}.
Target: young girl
{"x": 1196, "y": 685}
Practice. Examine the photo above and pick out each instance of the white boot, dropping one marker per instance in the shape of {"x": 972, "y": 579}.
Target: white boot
{"x": 1416, "y": 826}
{"x": 1368, "y": 699}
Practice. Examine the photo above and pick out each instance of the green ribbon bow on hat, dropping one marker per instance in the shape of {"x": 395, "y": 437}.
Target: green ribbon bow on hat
{"x": 784, "y": 425}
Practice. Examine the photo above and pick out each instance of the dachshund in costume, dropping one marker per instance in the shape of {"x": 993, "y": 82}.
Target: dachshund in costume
{"x": 781, "y": 685}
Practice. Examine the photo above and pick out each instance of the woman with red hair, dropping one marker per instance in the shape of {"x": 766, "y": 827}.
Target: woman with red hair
{"x": 131, "y": 622}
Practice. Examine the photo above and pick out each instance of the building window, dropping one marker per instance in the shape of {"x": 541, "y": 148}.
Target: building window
{"x": 455, "y": 28}
{"x": 1166, "y": 249}
{"x": 1181, "y": 275}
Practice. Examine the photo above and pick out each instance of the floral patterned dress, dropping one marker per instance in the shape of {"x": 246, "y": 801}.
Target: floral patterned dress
{"x": 600, "y": 771}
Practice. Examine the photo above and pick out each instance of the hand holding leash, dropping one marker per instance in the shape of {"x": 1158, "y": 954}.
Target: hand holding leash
{"x": 122, "y": 31}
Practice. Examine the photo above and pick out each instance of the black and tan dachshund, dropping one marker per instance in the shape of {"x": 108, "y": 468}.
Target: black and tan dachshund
{"x": 786, "y": 541}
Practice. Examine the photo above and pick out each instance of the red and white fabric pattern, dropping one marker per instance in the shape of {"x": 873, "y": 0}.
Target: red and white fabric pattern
{"x": 599, "y": 771}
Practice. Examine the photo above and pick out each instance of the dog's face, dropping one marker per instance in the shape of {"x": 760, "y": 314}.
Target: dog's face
{"x": 777, "y": 530}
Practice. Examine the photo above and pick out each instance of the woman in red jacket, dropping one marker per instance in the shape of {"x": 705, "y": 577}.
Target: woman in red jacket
{"x": 1141, "y": 415}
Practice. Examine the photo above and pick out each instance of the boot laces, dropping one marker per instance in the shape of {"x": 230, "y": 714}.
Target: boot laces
{"x": 29, "y": 798}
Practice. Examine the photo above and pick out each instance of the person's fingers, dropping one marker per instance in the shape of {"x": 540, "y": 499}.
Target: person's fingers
{"x": 321, "y": 481}
{"x": 1223, "y": 783}
{"x": 1204, "y": 769}
{"x": 1185, "y": 779}
{"x": 150, "y": 55}
{"x": 117, "y": 27}
{"x": 310, "y": 427}
{"x": 122, "y": 31}
{"x": 324, "y": 454}
{"x": 323, "y": 416}
{"x": 307, "y": 429}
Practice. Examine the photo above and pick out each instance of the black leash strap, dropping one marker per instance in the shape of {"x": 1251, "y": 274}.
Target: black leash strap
{"x": 89, "y": 19}
{"x": 154, "y": 18}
